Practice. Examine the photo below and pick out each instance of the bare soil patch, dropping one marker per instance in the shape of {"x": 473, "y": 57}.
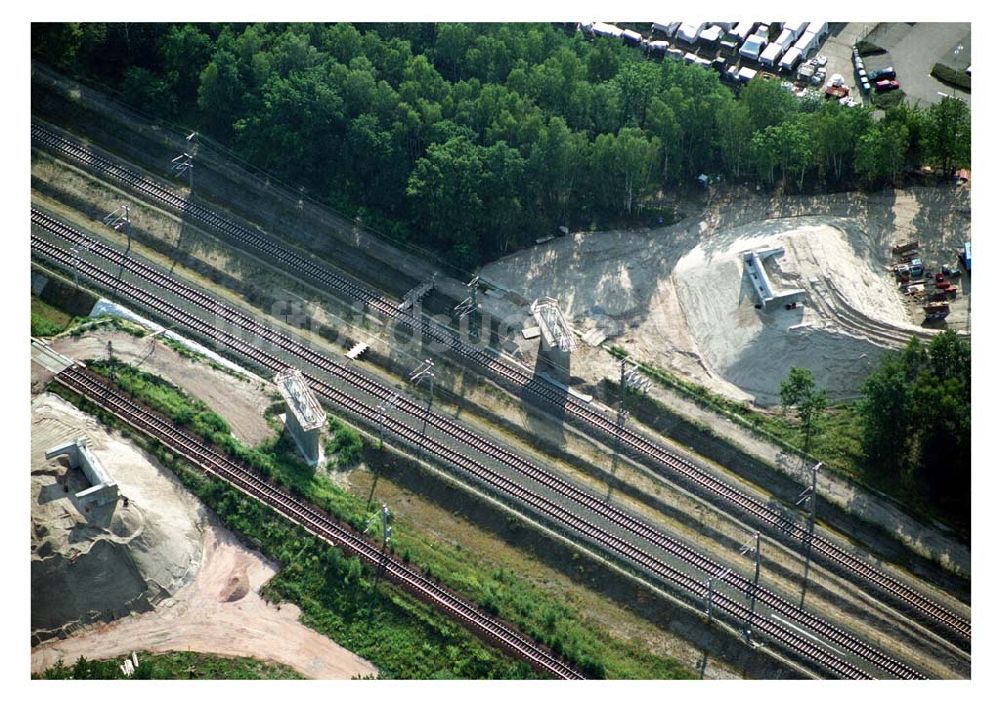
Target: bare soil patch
{"x": 164, "y": 551}
{"x": 240, "y": 401}
{"x": 677, "y": 296}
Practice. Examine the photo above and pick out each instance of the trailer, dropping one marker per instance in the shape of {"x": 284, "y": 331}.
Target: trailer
{"x": 836, "y": 91}
{"x": 711, "y": 35}
{"x": 966, "y": 256}
{"x": 785, "y": 39}
{"x": 603, "y": 29}
{"x": 790, "y": 59}
{"x": 936, "y": 311}
{"x": 669, "y": 29}
{"x": 739, "y": 32}
{"x": 658, "y": 47}
{"x": 770, "y": 55}
{"x": 806, "y": 43}
{"x": 688, "y": 33}
{"x": 797, "y": 29}
{"x": 752, "y": 47}
{"x": 820, "y": 29}
{"x": 631, "y": 37}
{"x": 902, "y": 250}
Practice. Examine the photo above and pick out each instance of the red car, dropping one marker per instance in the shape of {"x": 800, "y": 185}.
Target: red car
{"x": 886, "y": 86}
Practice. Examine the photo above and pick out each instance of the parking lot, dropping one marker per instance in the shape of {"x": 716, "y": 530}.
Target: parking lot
{"x": 913, "y": 51}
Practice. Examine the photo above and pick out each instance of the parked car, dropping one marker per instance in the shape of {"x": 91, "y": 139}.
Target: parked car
{"x": 886, "y": 85}
{"x": 882, "y": 73}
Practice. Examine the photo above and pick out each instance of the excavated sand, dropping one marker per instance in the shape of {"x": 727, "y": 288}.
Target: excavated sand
{"x": 754, "y": 349}
{"x": 677, "y": 296}
{"x": 103, "y": 562}
{"x": 96, "y": 574}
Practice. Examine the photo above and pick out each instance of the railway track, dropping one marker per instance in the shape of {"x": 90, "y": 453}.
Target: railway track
{"x": 193, "y": 448}
{"x": 580, "y": 412}
{"x": 464, "y": 436}
{"x": 309, "y": 517}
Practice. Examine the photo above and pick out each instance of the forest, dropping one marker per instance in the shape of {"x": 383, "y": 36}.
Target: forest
{"x": 474, "y": 140}
{"x": 916, "y": 414}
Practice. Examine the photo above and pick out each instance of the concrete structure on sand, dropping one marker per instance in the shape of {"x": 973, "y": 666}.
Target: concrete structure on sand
{"x": 305, "y": 417}
{"x": 753, "y": 262}
{"x": 102, "y": 489}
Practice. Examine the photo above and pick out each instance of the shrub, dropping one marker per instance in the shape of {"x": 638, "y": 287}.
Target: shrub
{"x": 946, "y": 74}
{"x": 886, "y": 101}
{"x": 41, "y": 327}
{"x": 866, "y": 48}
{"x": 345, "y": 444}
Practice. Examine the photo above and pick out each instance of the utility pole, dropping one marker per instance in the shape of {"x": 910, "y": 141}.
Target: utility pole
{"x": 710, "y": 591}
{"x": 958, "y": 50}
{"x": 386, "y": 518}
{"x": 425, "y": 370}
{"x": 111, "y": 367}
{"x": 119, "y": 221}
{"x": 752, "y": 590}
{"x": 185, "y": 162}
{"x": 383, "y": 406}
{"x": 76, "y": 265}
{"x": 630, "y": 379}
{"x": 812, "y": 504}
{"x": 809, "y": 494}
{"x": 386, "y": 537}
{"x": 75, "y": 250}
{"x": 470, "y": 307}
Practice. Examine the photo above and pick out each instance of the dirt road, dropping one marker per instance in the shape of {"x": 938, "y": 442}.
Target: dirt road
{"x": 221, "y": 612}
{"x": 240, "y": 402}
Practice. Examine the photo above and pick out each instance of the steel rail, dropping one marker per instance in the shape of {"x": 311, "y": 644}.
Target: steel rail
{"x": 343, "y": 400}
{"x": 510, "y": 374}
{"x": 446, "y": 425}
{"x": 98, "y": 391}
{"x": 309, "y": 517}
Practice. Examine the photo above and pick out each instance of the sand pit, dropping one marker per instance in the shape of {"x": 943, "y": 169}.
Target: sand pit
{"x": 209, "y": 616}
{"x": 89, "y": 563}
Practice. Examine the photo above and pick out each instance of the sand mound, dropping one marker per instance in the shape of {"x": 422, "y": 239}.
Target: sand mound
{"x": 94, "y": 563}
{"x": 678, "y": 297}
{"x": 754, "y": 349}
{"x": 236, "y": 587}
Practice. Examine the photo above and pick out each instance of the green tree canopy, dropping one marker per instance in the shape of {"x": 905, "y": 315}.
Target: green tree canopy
{"x": 799, "y": 391}
{"x": 917, "y": 418}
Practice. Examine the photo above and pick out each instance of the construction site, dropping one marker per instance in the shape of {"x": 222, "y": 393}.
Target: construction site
{"x": 822, "y": 291}
{"x": 265, "y": 431}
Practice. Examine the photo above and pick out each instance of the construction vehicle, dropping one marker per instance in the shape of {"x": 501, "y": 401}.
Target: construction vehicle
{"x": 936, "y": 311}
{"x": 905, "y": 250}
